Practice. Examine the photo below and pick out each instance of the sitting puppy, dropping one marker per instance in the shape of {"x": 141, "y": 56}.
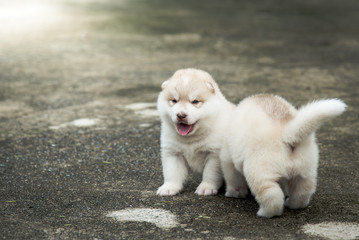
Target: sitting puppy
{"x": 193, "y": 115}
{"x": 271, "y": 147}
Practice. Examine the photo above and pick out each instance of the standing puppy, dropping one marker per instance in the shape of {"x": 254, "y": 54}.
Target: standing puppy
{"x": 193, "y": 115}
{"x": 271, "y": 146}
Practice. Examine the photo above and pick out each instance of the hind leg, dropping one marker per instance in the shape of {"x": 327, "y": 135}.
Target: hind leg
{"x": 270, "y": 198}
{"x": 266, "y": 189}
{"x": 236, "y": 185}
{"x": 300, "y": 191}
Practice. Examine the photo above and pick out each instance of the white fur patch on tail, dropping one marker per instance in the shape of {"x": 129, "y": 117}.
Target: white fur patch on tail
{"x": 310, "y": 117}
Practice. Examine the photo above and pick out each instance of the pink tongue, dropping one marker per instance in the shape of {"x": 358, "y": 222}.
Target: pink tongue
{"x": 184, "y": 129}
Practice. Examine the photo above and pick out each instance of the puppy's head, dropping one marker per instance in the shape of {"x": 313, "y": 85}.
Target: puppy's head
{"x": 187, "y": 99}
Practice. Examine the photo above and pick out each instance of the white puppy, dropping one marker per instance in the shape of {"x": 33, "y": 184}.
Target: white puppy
{"x": 193, "y": 115}
{"x": 271, "y": 146}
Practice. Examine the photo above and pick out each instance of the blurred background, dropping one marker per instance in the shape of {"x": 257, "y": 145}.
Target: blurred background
{"x": 89, "y": 48}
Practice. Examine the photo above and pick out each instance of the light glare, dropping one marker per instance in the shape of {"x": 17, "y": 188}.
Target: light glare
{"x": 26, "y": 16}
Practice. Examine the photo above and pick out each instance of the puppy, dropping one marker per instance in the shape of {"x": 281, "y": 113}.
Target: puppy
{"x": 193, "y": 115}
{"x": 271, "y": 146}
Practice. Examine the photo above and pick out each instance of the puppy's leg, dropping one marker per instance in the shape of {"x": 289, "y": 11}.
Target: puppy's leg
{"x": 211, "y": 177}
{"x": 270, "y": 197}
{"x": 175, "y": 171}
{"x": 263, "y": 183}
{"x": 300, "y": 191}
{"x": 236, "y": 185}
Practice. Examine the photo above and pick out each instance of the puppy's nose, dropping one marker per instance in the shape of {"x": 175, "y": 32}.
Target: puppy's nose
{"x": 181, "y": 116}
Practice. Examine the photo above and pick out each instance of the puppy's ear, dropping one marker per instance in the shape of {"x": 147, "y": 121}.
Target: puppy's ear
{"x": 164, "y": 84}
{"x": 210, "y": 86}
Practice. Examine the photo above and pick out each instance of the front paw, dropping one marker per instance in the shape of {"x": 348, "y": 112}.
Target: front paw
{"x": 206, "y": 189}
{"x": 169, "y": 189}
{"x": 236, "y": 192}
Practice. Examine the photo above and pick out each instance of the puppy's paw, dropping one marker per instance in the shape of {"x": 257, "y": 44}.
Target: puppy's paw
{"x": 206, "y": 189}
{"x": 236, "y": 192}
{"x": 270, "y": 212}
{"x": 297, "y": 202}
{"x": 169, "y": 189}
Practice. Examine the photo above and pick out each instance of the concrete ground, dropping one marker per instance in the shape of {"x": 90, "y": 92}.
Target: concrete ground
{"x": 79, "y": 134}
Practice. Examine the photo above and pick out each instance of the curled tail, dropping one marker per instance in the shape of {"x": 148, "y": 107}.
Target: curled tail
{"x": 310, "y": 117}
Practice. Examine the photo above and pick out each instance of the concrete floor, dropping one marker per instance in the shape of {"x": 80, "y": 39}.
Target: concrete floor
{"x": 79, "y": 135}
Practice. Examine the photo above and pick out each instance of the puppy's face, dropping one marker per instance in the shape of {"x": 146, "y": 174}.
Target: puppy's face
{"x": 186, "y": 99}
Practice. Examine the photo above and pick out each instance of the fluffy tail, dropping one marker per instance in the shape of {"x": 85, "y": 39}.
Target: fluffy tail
{"x": 310, "y": 117}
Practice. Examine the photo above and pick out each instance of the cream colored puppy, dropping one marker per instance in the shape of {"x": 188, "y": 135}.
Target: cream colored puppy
{"x": 193, "y": 115}
{"x": 271, "y": 146}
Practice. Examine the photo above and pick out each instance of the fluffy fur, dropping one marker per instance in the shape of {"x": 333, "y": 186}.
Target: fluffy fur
{"x": 193, "y": 115}
{"x": 271, "y": 146}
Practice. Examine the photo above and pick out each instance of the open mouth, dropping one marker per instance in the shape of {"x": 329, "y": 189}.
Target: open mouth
{"x": 184, "y": 129}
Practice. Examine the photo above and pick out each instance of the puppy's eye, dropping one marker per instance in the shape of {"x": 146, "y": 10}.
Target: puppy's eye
{"x": 195, "y": 102}
{"x": 174, "y": 101}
